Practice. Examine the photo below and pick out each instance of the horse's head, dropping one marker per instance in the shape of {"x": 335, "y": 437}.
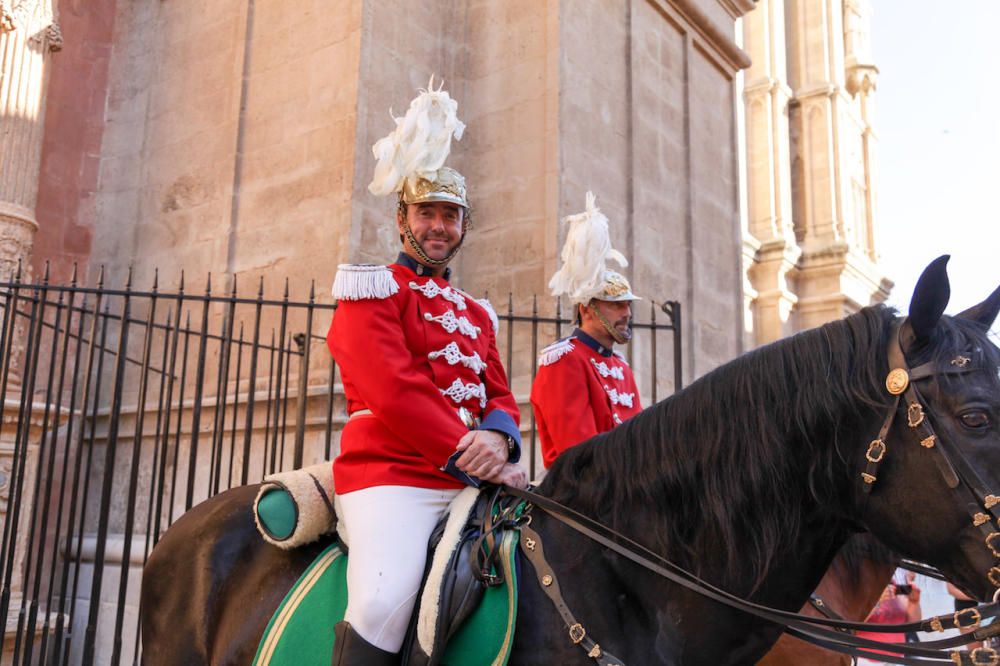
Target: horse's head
{"x": 937, "y": 495}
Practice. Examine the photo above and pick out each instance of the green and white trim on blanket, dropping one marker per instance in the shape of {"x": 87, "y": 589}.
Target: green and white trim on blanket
{"x": 301, "y": 631}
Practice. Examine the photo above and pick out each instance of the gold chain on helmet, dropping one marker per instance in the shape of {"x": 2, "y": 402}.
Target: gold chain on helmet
{"x": 620, "y": 338}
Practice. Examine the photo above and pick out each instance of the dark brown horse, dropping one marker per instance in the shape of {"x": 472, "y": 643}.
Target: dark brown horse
{"x": 750, "y": 477}
{"x": 850, "y": 588}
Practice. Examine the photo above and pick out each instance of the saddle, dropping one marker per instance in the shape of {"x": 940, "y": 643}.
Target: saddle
{"x": 468, "y": 600}
{"x": 466, "y": 558}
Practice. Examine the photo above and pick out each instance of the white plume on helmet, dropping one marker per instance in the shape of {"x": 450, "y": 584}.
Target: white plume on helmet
{"x": 585, "y": 256}
{"x": 421, "y": 142}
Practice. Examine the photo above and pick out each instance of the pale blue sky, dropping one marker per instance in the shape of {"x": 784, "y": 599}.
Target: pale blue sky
{"x": 938, "y": 125}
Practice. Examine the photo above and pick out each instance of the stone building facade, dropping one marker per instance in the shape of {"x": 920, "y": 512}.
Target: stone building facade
{"x": 810, "y": 226}
{"x": 235, "y": 137}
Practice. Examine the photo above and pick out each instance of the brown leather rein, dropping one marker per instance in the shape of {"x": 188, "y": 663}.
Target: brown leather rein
{"x": 829, "y": 632}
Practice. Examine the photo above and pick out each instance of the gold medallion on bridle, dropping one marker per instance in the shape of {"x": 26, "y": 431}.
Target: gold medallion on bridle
{"x": 896, "y": 381}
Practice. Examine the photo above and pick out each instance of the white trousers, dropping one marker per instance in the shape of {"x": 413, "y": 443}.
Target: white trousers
{"x": 386, "y": 529}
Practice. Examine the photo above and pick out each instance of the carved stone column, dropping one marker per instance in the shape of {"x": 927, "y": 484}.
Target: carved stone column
{"x": 831, "y": 74}
{"x": 766, "y": 96}
{"x": 28, "y": 34}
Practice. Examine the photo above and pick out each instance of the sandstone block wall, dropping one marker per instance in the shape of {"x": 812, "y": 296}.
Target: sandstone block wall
{"x": 237, "y": 139}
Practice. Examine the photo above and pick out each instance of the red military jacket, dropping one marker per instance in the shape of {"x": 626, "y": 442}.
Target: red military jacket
{"x": 412, "y": 350}
{"x": 582, "y": 389}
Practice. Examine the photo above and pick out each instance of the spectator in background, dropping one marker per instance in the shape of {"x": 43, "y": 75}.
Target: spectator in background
{"x": 899, "y": 604}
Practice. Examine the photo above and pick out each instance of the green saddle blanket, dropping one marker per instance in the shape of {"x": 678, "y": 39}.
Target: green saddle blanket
{"x": 300, "y": 632}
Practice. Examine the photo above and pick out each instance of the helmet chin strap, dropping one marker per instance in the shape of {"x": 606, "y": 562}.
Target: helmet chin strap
{"x": 424, "y": 258}
{"x": 620, "y": 338}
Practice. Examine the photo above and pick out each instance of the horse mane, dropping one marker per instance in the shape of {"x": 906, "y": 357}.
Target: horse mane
{"x": 733, "y": 457}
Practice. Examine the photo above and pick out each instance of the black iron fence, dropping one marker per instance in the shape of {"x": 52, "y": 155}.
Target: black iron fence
{"x": 123, "y": 408}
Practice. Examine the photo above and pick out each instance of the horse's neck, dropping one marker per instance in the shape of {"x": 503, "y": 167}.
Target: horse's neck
{"x": 855, "y": 598}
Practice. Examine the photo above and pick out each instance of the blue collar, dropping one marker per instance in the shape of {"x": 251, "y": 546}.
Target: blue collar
{"x": 406, "y": 260}
{"x": 592, "y": 343}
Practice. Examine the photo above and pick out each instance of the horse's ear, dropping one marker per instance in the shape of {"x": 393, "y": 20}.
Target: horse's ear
{"x": 930, "y": 298}
{"x": 986, "y": 312}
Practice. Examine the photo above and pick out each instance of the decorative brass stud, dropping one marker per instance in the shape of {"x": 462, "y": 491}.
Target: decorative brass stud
{"x": 928, "y": 442}
{"x": 529, "y": 543}
{"x": 914, "y": 414}
{"x": 990, "y": 538}
{"x": 956, "y": 657}
{"x": 869, "y": 479}
{"x": 991, "y": 501}
{"x": 960, "y": 361}
{"x": 936, "y": 624}
{"x": 577, "y": 633}
{"x": 876, "y": 451}
{"x": 595, "y": 652}
{"x": 979, "y": 519}
{"x": 546, "y": 580}
{"x": 897, "y": 380}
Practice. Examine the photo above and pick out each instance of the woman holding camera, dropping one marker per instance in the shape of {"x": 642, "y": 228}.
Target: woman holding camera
{"x": 899, "y": 604}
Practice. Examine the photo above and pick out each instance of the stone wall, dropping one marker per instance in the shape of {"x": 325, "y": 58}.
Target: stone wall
{"x": 238, "y": 137}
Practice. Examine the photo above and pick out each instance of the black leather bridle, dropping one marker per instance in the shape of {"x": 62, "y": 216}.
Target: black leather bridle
{"x": 901, "y": 382}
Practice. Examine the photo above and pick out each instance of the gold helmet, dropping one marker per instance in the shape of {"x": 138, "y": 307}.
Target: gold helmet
{"x": 616, "y": 288}
{"x": 445, "y": 185}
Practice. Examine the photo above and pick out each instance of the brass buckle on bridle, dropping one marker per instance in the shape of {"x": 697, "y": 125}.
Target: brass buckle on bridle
{"x": 990, "y": 538}
{"x": 876, "y": 451}
{"x": 984, "y": 656}
{"x": 993, "y": 575}
{"x": 577, "y": 633}
{"x": 974, "y": 618}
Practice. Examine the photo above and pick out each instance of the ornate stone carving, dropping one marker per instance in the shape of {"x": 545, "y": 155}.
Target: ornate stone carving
{"x": 16, "y": 14}
{"x": 31, "y": 15}
{"x": 53, "y": 37}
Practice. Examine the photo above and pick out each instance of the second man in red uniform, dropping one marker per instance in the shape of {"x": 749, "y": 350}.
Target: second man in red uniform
{"x": 584, "y": 387}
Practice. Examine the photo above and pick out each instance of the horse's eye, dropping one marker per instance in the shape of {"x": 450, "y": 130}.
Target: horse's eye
{"x": 975, "y": 419}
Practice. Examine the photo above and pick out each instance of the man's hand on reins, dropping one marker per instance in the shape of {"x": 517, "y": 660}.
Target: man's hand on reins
{"x": 485, "y": 453}
{"x": 512, "y": 475}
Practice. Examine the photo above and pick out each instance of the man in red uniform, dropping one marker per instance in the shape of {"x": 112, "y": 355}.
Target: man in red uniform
{"x": 430, "y": 409}
{"x": 583, "y": 386}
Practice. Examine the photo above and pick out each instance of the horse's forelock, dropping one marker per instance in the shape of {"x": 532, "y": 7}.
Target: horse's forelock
{"x": 956, "y": 337}
{"x": 722, "y": 459}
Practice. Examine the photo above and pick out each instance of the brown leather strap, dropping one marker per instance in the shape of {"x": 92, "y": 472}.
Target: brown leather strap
{"x": 531, "y": 546}
{"x": 877, "y": 450}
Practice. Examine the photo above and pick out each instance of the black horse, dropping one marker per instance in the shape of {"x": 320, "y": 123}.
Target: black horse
{"x": 750, "y": 477}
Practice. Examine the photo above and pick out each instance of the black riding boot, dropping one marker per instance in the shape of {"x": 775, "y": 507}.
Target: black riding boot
{"x": 349, "y": 649}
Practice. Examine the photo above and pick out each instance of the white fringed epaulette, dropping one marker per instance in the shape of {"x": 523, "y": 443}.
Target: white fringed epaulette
{"x": 555, "y": 351}
{"x": 490, "y": 311}
{"x": 358, "y": 282}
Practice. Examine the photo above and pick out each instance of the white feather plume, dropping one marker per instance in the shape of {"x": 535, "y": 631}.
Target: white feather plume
{"x": 585, "y": 255}
{"x": 421, "y": 142}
